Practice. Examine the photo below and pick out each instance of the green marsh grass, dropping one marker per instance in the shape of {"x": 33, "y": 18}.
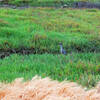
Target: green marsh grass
{"x": 83, "y": 68}
{"x": 43, "y": 29}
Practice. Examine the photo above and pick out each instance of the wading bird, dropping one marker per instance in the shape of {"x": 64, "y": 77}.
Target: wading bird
{"x": 62, "y": 51}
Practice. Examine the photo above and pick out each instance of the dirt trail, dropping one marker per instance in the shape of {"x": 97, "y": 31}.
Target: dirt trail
{"x": 45, "y": 89}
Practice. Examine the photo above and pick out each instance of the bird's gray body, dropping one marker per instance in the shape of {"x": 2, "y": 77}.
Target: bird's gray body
{"x": 62, "y": 51}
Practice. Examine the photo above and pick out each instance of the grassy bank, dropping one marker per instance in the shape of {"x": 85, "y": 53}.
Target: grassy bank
{"x": 43, "y": 29}
{"x": 52, "y": 3}
{"x": 82, "y": 68}
{"x": 43, "y": 3}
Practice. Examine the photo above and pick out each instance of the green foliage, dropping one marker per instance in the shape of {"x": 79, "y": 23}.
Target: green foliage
{"x": 44, "y": 3}
{"x": 43, "y": 29}
{"x": 83, "y": 68}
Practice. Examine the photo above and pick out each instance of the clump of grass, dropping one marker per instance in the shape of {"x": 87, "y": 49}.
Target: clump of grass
{"x": 43, "y": 29}
{"x": 82, "y": 68}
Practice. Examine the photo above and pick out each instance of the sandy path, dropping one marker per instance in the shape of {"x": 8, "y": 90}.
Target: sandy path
{"x": 45, "y": 89}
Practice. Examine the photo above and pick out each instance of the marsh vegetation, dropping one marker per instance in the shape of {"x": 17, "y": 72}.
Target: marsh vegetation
{"x": 41, "y": 30}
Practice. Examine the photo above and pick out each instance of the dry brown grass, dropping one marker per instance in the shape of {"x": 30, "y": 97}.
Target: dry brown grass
{"x": 45, "y": 89}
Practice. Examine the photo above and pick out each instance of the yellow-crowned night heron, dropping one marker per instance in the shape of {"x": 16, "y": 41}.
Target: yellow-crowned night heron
{"x": 62, "y": 51}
